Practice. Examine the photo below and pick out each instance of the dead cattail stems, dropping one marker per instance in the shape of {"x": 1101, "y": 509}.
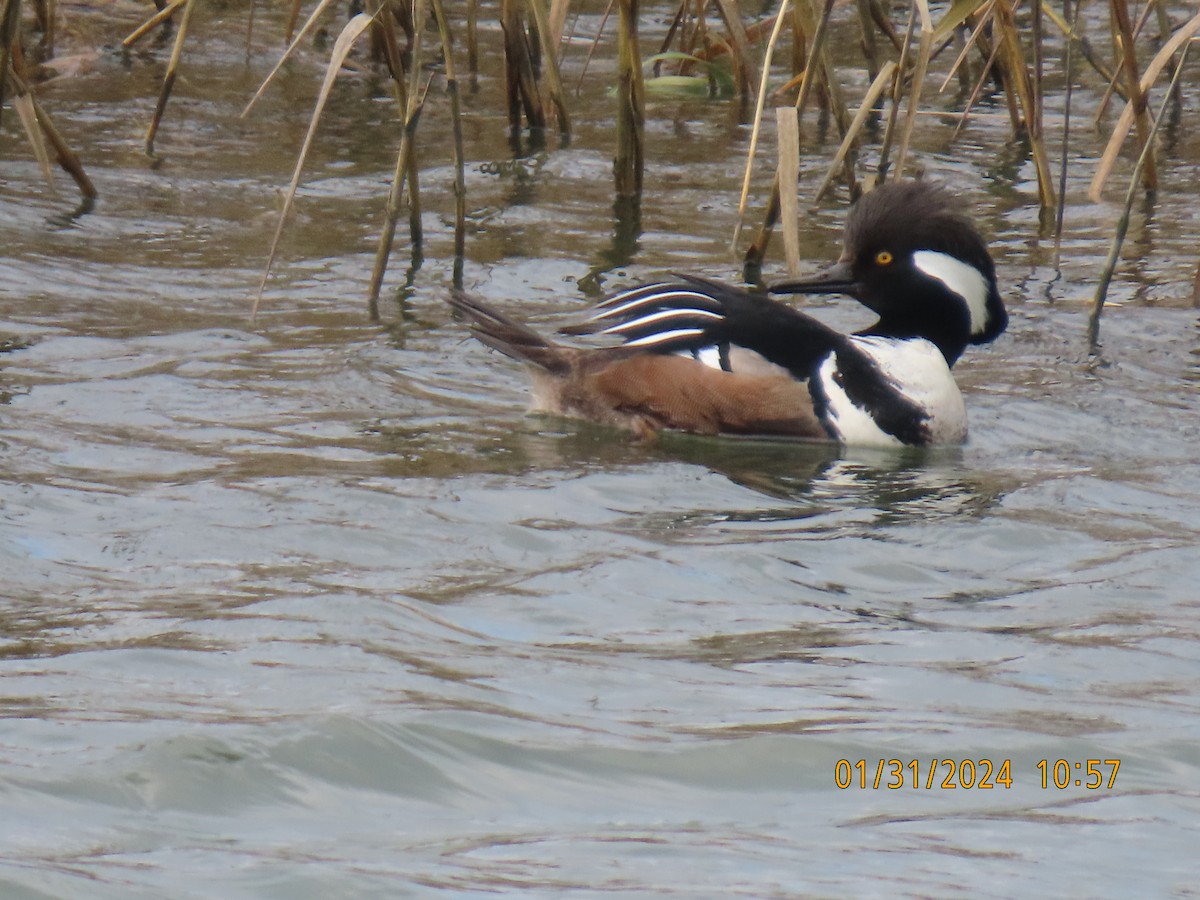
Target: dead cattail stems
{"x": 383, "y": 38}
{"x": 23, "y": 104}
{"x": 519, "y": 77}
{"x": 473, "y": 38}
{"x": 924, "y": 47}
{"x": 1114, "y": 252}
{"x": 460, "y": 184}
{"x": 169, "y": 78}
{"x": 869, "y": 49}
{"x": 1164, "y": 31}
{"x": 10, "y": 21}
{"x": 405, "y": 171}
{"x": 1038, "y": 99}
{"x": 150, "y": 24}
{"x": 739, "y": 48}
{"x": 672, "y": 29}
{"x": 758, "y": 249}
{"x": 46, "y": 13}
{"x": 787, "y": 126}
{"x": 293, "y": 18}
{"x": 308, "y": 26}
{"x": 1081, "y": 44}
{"x": 799, "y": 44}
{"x": 608, "y": 7}
{"x": 897, "y": 95}
{"x": 1069, "y": 68}
{"x": 629, "y": 163}
{"x": 991, "y": 45}
{"x": 760, "y": 105}
{"x": 982, "y": 16}
{"x": 403, "y": 14}
{"x": 341, "y": 48}
{"x": 881, "y": 83}
{"x": 558, "y": 23}
{"x": 1123, "y": 33}
{"x": 880, "y": 17}
{"x": 1120, "y": 131}
{"x": 67, "y": 160}
{"x": 1011, "y": 60}
{"x": 549, "y": 48}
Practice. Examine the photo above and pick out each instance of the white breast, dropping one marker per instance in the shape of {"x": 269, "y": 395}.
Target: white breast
{"x": 918, "y": 371}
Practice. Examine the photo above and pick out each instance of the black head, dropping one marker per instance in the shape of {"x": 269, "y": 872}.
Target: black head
{"x": 913, "y": 257}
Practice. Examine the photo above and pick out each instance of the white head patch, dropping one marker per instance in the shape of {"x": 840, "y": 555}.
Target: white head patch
{"x": 965, "y": 280}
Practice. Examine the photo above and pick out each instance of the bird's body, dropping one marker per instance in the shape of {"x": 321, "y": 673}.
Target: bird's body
{"x": 705, "y": 357}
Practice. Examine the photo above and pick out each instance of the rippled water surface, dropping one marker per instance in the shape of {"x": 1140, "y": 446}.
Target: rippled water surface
{"x": 306, "y": 607}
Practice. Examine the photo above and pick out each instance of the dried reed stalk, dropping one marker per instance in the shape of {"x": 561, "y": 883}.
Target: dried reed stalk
{"x": 473, "y": 37}
{"x": 67, "y": 160}
{"x": 1069, "y": 68}
{"x": 867, "y": 38}
{"x": 46, "y": 12}
{"x": 760, "y": 105}
{"x": 1121, "y": 129}
{"x": 1137, "y": 97}
{"x": 1081, "y": 43}
{"x": 10, "y": 22}
{"x": 309, "y": 24}
{"x": 405, "y": 171}
{"x": 739, "y": 47}
{"x": 169, "y": 78}
{"x": 629, "y": 164}
{"x": 787, "y": 126}
{"x": 883, "y": 80}
{"x": 1114, "y": 252}
{"x": 519, "y": 75}
{"x": 924, "y": 48}
{"x": 1017, "y": 78}
{"x": 22, "y": 102}
{"x": 758, "y": 249}
{"x": 550, "y": 56}
{"x": 558, "y": 22}
{"x": 153, "y": 22}
{"x": 984, "y": 19}
{"x": 889, "y": 133}
{"x": 383, "y": 39}
{"x": 341, "y": 48}
{"x": 460, "y": 184}
{"x": 293, "y": 18}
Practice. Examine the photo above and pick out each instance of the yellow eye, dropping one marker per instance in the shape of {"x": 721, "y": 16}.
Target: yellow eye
{"x": 883, "y": 258}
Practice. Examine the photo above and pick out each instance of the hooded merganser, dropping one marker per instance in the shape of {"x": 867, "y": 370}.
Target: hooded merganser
{"x": 706, "y": 357}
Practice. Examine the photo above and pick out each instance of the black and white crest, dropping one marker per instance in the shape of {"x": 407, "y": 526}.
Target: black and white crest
{"x": 914, "y": 257}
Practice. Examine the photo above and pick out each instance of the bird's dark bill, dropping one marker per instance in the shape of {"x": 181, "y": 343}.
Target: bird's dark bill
{"x": 837, "y": 279}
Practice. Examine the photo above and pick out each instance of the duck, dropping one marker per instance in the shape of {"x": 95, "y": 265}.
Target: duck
{"x": 696, "y": 355}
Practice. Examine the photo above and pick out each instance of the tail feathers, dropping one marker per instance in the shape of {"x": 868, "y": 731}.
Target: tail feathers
{"x": 520, "y": 342}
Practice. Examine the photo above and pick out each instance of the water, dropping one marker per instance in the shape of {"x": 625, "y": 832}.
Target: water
{"x": 307, "y": 608}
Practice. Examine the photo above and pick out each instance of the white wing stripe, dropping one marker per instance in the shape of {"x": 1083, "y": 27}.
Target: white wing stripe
{"x": 657, "y": 298}
{"x": 663, "y": 337}
{"x": 638, "y": 291}
{"x": 658, "y": 317}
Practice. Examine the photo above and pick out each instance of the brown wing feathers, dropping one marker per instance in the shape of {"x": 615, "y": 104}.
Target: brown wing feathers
{"x": 643, "y": 391}
{"x": 681, "y": 393}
